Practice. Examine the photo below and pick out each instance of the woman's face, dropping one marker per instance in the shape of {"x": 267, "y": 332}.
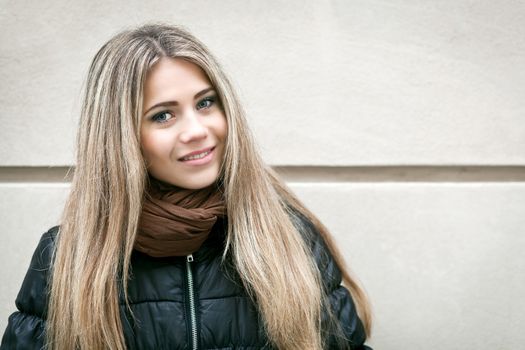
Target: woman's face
{"x": 183, "y": 128}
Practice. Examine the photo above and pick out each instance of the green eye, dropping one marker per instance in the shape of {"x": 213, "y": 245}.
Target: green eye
{"x": 162, "y": 117}
{"x": 206, "y": 102}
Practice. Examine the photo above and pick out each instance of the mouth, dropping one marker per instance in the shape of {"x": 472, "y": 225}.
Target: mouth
{"x": 197, "y": 154}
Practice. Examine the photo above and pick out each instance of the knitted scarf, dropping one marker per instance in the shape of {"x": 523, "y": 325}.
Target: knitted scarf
{"x": 176, "y": 221}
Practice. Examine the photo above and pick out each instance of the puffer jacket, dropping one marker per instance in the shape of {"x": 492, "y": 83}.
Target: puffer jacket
{"x": 192, "y": 302}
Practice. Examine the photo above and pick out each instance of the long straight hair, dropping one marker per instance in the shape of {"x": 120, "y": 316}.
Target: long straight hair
{"x": 100, "y": 218}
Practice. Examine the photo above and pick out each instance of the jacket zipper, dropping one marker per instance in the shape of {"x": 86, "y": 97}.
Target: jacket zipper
{"x": 191, "y": 297}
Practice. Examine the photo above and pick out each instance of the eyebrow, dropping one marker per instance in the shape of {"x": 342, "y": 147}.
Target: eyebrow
{"x": 174, "y": 103}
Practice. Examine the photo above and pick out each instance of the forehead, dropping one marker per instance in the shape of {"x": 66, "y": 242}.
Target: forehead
{"x": 170, "y": 78}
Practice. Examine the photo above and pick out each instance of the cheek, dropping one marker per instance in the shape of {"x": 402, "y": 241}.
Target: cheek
{"x": 222, "y": 128}
{"x": 154, "y": 146}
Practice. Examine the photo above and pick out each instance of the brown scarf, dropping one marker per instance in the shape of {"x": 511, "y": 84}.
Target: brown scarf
{"x": 176, "y": 221}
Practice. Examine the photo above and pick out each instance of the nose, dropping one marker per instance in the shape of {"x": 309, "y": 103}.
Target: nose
{"x": 193, "y": 130}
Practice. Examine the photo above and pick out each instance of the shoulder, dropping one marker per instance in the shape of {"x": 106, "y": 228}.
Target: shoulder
{"x": 339, "y": 298}
{"x": 326, "y": 264}
{"x": 25, "y": 328}
{"x": 32, "y": 297}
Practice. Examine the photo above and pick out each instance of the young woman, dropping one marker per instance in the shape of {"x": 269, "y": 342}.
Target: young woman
{"x": 175, "y": 234}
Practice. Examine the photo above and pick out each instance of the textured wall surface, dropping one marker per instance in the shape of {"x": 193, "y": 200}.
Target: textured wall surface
{"x": 406, "y": 120}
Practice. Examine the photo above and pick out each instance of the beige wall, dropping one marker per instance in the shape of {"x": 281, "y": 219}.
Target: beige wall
{"x": 342, "y": 89}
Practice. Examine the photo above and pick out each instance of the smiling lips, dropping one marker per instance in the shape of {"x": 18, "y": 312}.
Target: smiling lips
{"x": 197, "y": 154}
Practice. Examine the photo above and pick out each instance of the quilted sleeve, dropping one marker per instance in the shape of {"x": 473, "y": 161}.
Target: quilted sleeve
{"x": 340, "y": 300}
{"x": 25, "y": 328}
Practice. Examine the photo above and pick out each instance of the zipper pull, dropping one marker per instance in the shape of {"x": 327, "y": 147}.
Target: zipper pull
{"x": 189, "y": 258}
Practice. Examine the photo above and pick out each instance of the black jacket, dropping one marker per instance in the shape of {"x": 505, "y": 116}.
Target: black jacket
{"x": 180, "y": 302}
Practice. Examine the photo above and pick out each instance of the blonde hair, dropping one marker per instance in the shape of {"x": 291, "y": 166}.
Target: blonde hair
{"x": 100, "y": 218}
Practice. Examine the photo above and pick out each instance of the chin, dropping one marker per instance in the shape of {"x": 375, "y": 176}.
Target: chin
{"x": 197, "y": 184}
{"x": 190, "y": 181}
